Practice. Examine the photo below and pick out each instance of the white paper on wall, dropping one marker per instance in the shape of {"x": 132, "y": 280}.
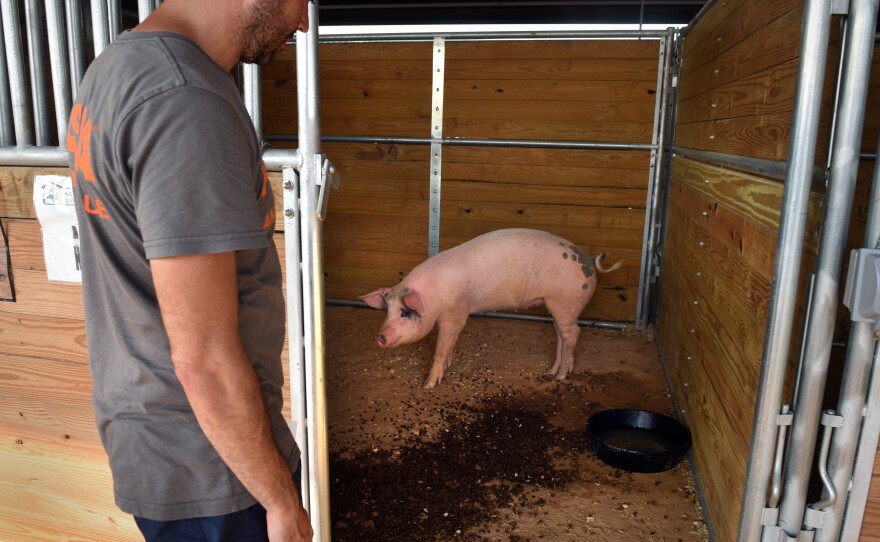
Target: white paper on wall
{"x": 53, "y": 200}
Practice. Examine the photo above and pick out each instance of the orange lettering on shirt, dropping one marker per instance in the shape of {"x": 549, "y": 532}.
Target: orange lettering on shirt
{"x": 269, "y": 220}
{"x": 96, "y": 209}
{"x": 265, "y": 180}
{"x": 79, "y": 134}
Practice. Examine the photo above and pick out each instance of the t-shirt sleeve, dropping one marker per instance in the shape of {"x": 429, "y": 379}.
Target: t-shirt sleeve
{"x": 195, "y": 173}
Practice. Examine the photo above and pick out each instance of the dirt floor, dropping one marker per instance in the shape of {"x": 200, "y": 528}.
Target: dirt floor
{"x": 498, "y": 450}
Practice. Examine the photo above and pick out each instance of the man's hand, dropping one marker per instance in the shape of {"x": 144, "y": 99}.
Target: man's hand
{"x": 292, "y": 526}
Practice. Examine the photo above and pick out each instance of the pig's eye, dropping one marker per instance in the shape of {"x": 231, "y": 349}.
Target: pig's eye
{"x": 406, "y": 312}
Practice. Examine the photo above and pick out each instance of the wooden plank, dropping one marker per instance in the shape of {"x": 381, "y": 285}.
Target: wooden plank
{"x": 547, "y": 89}
{"x": 712, "y": 452}
{"x": 539, "y": 216}
{"x": 730, "y": 23}
{"x": 525, "y": 68}
{"x": 34, "y": 295}
{"x": 770, "y": 46}
{"x": 17, "y": 190}
{"x": 56, "y": 489}
{"x": 53, "y": 398}
{"x": 600, "y": 109}
{"x": 25, "y": 242}
{"x": 764, "y": 93}
{"x": 362, "y": 171}
{"x": 477, "y": 191}
{"x": 751, "y": 197}
{"x": 554, "y": 49}
{"x": 764, "y": 137}
{"x": 549, "y": 157}
{"x": 46, "y": 337}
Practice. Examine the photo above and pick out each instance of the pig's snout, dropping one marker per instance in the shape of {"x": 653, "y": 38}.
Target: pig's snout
{"x": 381, "y": 340}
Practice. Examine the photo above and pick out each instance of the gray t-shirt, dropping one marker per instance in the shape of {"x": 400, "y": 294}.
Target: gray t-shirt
{"x": 166, "y": 162}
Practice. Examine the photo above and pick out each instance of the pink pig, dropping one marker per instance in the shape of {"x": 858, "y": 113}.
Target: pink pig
{"x": 503, "y": 269}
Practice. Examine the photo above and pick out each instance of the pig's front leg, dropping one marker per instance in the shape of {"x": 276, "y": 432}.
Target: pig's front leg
{"x": 448, "y": 331}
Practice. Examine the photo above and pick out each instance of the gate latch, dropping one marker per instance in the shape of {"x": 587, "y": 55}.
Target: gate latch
{"x": 862, "y": 294}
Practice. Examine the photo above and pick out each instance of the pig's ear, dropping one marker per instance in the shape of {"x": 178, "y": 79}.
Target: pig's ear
{"x": 376, "y": 299}
{"x": 413, "y": 300}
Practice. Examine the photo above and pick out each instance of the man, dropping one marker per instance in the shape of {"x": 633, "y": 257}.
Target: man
{"x": 181, "y": 280}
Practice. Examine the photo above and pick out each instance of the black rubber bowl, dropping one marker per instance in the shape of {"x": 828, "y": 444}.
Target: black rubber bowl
{"x": 638, "y": 440}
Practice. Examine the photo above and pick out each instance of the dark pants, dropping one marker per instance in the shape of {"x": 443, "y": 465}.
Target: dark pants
{"x": 248, "y": 525}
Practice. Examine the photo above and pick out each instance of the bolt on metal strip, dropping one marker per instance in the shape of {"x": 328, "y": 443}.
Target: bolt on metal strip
{"x": 436, "y": 145}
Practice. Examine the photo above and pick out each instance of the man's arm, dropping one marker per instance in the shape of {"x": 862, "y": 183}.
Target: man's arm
{"x": 198, "y": 297}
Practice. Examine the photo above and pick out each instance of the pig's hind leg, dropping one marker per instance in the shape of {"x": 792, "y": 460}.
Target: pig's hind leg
{"x": 447, "y": 335}
{"x": 567, "y": 332}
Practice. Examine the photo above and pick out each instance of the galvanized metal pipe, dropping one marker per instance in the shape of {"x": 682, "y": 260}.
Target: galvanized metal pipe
{"x": 476, "y": 142}
{"x": 21, "y": 112}
{"x": 115, "y": 19}
{"x": 60, "y": 67}
{"x": 33, "y": 156}
{"x": 786, "y": 268}
{"x": 481, "y": 36}
{"x": 36, "y": 56}
{"x": 838, "y": 208}
{"x": 277, "y": 159}
{"x": 145, "y": 7}
{"x": 759, "y": 166}
{"x": 294, "y": 298}
{"x": 100, "y": 33}
{"x": 251, "y": 95}
{"x": 863, "y": 354}
{"x": 313, "y": 277}
{"x": 583, "y": 322}
{"x": 75, "y": 43}
{"x": 7, "y": 135}
{"x": 658, "y": 140}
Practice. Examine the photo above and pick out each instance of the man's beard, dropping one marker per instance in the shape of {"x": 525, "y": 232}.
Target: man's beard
{"x": 263, "y": 33}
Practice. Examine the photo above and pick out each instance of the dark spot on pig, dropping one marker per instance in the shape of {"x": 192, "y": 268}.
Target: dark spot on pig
{"x": 588, "y": 266}
{"x": 574, "y": 257}
{"x": 565, "y": 255}
{"x": 584, "y": 286}
{"x": 561, "y": 244}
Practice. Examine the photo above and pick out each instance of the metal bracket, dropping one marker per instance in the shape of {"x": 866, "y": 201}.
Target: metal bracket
{"x": 840, "y": 7}
{"x": 437, "y": 84}
{"x": 7, "y": 290}
{"x": 329, "y": 177}
{"x": 862, "y": 294}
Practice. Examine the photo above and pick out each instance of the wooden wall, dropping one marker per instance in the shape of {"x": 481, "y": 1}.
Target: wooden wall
{"x": 736, "y": 97}
{"x": 377, "y": 225}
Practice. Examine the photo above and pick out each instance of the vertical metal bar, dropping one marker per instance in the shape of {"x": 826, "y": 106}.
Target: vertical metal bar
{"x": 60, "y": 68}
{"x": 36, "y": 57}
{"x": 7, "y": 135}
{"x": 75, "y": 48}
{"x": 115, "y": 19}
{"x": 293, "y": 280}
{"x": 251, "y": 91}
{"x": 313, "y": 280}
{"x": 100, "y": 34}
{"x": 820, "y": 327}
{"x": 145, "y": 7}
{"x": 437, "y": 84}
{"x": 786, "y": 267}
{"x": 21, "y": 113}
{"x": 650, "y": 233}
{"x": 862, "y": 354}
